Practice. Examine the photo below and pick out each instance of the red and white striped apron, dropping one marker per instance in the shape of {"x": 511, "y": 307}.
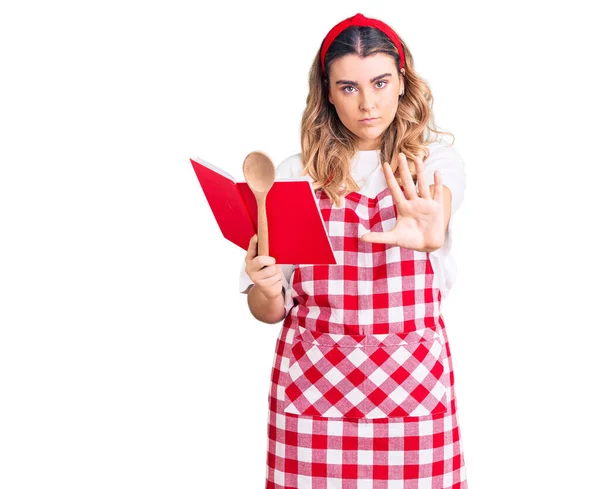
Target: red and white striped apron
{"x": 362, "y": 386}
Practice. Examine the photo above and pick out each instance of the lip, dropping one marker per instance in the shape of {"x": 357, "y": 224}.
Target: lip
{"x": 369, "y": 121}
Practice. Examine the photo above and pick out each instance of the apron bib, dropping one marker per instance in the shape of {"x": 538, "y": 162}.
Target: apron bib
{"x": 367, "y": 336}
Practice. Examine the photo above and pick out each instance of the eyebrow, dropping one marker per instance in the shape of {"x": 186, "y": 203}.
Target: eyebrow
{"x": 348, "y": 82}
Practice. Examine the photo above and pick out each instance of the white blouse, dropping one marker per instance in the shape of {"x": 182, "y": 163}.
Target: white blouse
{"x": 368, "y": 174}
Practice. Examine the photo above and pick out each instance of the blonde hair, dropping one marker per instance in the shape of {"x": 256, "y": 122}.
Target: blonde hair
{"x": 328, "y": 146}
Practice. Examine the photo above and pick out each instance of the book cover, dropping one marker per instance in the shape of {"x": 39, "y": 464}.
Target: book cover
{"x": 297, "y": 231}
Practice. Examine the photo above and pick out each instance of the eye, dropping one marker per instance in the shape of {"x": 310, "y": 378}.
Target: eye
{"x": 385, "y": 82}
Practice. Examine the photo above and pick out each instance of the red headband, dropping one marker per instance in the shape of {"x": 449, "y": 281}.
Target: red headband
{"x": 360, "y": 20}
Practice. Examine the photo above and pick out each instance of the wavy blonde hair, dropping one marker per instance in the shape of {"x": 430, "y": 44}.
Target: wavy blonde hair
{"x": 328, "y": 146}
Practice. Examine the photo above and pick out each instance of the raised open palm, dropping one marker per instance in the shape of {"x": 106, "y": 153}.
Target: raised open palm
{"x": 420, "y": 217}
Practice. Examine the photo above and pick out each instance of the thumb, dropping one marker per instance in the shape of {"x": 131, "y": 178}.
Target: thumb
{"x": 253, "y": 247}
{"x": 385, "y": 237}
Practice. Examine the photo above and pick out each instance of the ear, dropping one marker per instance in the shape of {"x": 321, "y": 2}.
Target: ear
{"x": 401, "y": 80}
{"x": 326, "y": 87}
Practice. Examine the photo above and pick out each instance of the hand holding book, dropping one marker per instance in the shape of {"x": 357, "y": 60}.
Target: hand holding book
{"x": 263, "y": 271}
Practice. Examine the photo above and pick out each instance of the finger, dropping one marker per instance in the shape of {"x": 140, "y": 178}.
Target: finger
{"x": 262, "y": 273}
{"x": 252, "y": 248}
{"x": 385, "y": 237}
{"x": 423, "y": 189}
{"x": 271, "y": 280}
{"x": 438, "y": 189}
{"x": 259, "y": 262}
{"x": 407, "y": 182}
{"x": 269, "y": 287}
{"x": 392, "y": 183}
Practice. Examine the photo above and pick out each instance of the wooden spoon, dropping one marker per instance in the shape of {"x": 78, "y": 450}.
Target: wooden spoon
{"x": 259, "y": 172}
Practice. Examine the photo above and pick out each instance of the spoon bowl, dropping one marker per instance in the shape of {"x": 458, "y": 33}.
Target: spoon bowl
{"x": 259, "y": 173}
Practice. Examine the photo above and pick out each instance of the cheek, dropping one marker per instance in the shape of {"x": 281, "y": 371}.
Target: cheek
{"x": 391, "y": 105}
{"x": 343, "y": 108}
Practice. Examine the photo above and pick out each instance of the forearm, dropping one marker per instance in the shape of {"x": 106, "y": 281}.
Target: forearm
{"x": 265, "y": 309}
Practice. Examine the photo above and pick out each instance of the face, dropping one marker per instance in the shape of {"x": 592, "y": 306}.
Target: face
{"x": 362, "y": 89}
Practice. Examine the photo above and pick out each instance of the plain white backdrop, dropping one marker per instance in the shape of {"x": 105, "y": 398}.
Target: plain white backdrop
{"x": 128, "y": 358}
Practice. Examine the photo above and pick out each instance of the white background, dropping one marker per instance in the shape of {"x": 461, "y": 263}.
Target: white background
{"x": 128, "y": 358}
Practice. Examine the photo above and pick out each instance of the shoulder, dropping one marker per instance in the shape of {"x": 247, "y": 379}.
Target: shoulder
{"x": 441, "y": 152}
{"x": 291, "y": 167}
{"x": 446, "y": 160}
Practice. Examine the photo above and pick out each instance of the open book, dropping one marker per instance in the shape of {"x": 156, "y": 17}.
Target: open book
{"x": 297, "y": 232}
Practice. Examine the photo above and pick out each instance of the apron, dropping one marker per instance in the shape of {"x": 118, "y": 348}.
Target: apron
{"x": 362, "y": 386}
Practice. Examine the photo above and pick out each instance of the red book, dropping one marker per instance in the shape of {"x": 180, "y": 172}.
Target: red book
{"x": 297, "y": 232}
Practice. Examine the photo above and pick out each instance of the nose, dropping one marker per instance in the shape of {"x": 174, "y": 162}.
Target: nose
{"x": 367, "y": 101}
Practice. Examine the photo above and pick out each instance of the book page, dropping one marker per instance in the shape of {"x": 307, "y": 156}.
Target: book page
{"x": 220, "y": 171}
{"x": 214, "y": 168}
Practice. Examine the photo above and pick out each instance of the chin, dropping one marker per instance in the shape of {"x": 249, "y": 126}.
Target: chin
{"x": 371, "y": 136}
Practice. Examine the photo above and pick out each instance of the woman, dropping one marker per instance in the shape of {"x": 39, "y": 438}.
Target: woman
{"x": 362, "y": 386}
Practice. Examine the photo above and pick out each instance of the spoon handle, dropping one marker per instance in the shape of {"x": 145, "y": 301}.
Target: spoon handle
{"x": 263, "y": 228}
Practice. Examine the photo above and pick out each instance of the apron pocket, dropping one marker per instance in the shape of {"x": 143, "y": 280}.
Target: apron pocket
{"x": 366, "y": 377}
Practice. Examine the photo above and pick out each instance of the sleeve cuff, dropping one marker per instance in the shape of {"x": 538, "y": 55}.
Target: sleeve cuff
{"x": 245, "y": 281}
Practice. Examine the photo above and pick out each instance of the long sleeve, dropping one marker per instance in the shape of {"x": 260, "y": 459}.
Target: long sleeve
{"x": 445, "y": 159}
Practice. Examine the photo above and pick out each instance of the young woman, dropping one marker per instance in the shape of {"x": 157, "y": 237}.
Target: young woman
{"x": 362, "y": 386}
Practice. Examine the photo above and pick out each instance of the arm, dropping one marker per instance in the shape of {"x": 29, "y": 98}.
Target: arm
{"x": 267, "y": 310}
